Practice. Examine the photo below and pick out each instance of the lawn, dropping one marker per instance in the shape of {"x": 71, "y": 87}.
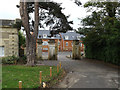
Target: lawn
{"x": 12, "y": 74}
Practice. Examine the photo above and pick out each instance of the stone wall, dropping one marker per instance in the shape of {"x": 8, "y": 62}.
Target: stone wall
{"x": 9, "y": 40}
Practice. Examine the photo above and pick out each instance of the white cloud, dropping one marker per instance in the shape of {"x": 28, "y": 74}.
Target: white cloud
{"x": 8, "y": 10}
{"x": 74, "y": 11}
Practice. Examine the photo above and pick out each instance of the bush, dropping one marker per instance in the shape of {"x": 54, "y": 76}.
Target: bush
{"x": 9, "y": 59}
{"x": 23, "y": 60}
{"x": 108, "y": 52}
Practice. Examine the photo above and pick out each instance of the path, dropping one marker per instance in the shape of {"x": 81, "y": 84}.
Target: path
{"x": 86, "y": 73}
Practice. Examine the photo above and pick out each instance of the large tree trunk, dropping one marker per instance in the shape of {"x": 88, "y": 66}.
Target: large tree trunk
{"x": 31, "y": 51}
{"x": 30, "y": 38}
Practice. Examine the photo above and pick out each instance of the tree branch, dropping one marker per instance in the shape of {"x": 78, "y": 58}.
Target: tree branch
{"x": 36, "y": 24}
{"x": 24, "y": 17}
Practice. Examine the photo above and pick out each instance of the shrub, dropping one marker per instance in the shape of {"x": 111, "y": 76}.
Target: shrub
{"x": 9, "y": 59}
{"x": 23, "y": 60}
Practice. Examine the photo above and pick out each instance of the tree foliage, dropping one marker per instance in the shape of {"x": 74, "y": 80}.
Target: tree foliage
{"x": 102, "y": 31}
{"x": 17, "y": 25}
{"x": 21, "y": 40}
{"x": 50, "y": 16}
{"x": 45, "y": 13}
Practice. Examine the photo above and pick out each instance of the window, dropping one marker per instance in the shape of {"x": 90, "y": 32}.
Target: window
{"x": 1, "y": 51}
{"x": 66, "y": 43}
{"x": 73, "y": 37}
{"x": 66, "y": 37}
{"x": 45, "y": 48}
{"x": 45, "y": 43}
{"x": 44, "y": 35}
{"x": 81, "y": 44}
{"x": 78, "y": 37}
{"x": 58, "y": 42}
{"x": 72, "y": 44}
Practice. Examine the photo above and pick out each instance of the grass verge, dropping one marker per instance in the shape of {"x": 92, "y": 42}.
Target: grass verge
{"x": 12, "y": 74}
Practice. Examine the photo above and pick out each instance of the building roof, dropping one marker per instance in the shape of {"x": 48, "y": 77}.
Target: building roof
{"x": 41, "y": 32}
{"x": 70, "y": 35}
{"x": 47, "y": 32}
{"x": 57, "y": 36}
{"x": 7, "y": 23}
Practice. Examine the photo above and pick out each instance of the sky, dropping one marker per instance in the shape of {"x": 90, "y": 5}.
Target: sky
{"x": 8, "y": 10}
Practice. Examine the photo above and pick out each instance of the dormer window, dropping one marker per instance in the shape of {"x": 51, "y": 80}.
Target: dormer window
{"x": 66, "y": 37}
{"x": 78, "y": 37}
{"x": 44, "y": 35}
{"x": 73, "y": 37}
{"x": 52, "y": 37}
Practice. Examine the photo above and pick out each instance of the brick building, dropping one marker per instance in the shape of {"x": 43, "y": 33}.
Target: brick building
{"x": 64, "y": 40}
{"x": 44, "y": 35}
{"x": 8, "y": 38}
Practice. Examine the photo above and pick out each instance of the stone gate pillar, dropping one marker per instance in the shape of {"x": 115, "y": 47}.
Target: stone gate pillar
{"x": 76, "y": 50}
{"x": 39, "y": 49}
{"x": 52, "y": 51}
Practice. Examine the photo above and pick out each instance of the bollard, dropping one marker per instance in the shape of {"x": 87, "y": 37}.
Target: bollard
{"x": 57, "y": 68}
{"x": 60, "y": 65}
{"x": 20, "y": 85}
{"x": 40, "y": 77}
{"x": 50, "y": 71}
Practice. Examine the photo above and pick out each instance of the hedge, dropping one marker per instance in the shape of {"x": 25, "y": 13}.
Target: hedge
{"x": 109, "y": 52}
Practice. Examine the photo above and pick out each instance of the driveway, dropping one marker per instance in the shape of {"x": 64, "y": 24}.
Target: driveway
{"x": 86, "y": 73}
